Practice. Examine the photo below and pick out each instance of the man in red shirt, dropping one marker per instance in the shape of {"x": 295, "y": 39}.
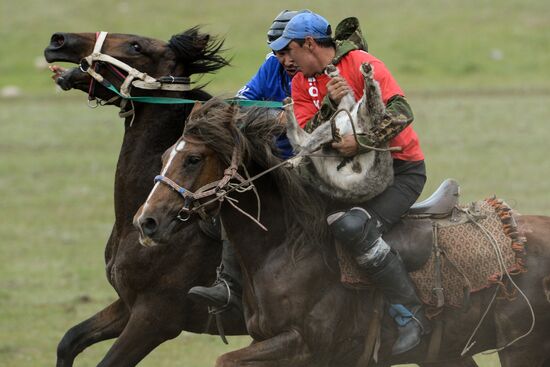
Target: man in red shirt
{"x": 307, "y": 38}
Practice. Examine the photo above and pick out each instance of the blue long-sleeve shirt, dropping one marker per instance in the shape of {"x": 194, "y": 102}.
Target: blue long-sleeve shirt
{"x": 271, "y": 83}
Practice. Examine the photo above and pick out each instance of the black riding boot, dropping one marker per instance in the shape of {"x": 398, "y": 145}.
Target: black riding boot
{"x": 226, "y": 292}
{"x": 358, "y": 230}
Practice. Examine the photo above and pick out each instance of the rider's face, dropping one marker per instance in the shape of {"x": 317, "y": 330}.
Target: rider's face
{"x": 288, "y": 63}
{"x": 304, "y": 57}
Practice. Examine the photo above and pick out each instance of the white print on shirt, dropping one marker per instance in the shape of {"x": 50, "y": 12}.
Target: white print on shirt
{"x": 242, "y": 91}
{"x": 314, "y": 92}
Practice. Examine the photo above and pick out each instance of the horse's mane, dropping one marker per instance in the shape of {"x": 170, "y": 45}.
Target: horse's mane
{"x": 223, "y": 127}
{"x": 198, "y": 52}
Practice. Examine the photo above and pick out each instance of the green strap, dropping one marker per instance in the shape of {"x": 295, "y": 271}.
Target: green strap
{"x": 168, "y": 100}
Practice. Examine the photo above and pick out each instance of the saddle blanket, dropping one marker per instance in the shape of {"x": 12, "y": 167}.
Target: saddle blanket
{"x": 475, "y": 244}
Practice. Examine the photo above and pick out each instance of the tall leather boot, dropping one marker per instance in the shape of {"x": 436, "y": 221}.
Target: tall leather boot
{"x": 359, "y": 231}
{"x": 226, "y": 292}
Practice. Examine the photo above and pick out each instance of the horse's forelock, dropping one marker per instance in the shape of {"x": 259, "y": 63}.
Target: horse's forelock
{"x": 214, "y": 125}
{"x": 198, "y": 52}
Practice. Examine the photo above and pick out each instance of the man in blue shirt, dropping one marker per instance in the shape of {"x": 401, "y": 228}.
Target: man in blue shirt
{"x": 272, "y": 81}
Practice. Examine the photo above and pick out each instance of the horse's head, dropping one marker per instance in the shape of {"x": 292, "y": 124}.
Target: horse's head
{"x": 120, "y": 58}
{"x": 195, "y": 169}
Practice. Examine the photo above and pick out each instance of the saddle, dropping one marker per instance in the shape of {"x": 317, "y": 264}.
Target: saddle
{"x": 450, "y": 250}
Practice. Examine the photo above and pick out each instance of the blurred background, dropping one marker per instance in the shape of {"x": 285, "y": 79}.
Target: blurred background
{"x": 477, "y": 74}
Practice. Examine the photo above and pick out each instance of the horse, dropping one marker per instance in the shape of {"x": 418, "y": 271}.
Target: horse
{"x": 152, "y": 283}
{"x": 296, "y": 309}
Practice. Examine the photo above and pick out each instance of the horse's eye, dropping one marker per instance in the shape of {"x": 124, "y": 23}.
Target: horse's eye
{"x": 136, "y": 47}
{"x": 192, "y": 159}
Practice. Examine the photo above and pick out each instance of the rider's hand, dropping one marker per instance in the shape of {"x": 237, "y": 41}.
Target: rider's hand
{"x": 337, "y": 88}
{"x": 57, "y": 71}
{"x": 347, "y": 146}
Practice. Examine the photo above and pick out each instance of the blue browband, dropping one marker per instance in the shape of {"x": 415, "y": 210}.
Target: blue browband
{"x": 180, "y": 190}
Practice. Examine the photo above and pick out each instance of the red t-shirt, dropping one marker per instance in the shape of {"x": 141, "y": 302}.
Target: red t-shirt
{"x": 308, "y": 93}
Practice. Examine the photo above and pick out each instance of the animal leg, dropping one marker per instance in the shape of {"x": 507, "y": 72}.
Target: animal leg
{"x": 106, "y": 324}
{"x": 294, "y": 132}
{"x": 151, "y": 323}
{"x": 348, "y": 101}
{"x": 372, "y": 108}
{"x": 303, "y": 142}
{"x": 286, "y": 349}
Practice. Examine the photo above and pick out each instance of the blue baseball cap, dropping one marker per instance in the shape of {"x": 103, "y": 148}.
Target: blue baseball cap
{"x": 301, "y": 26}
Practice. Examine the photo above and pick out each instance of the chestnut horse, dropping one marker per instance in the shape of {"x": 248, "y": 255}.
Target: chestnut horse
{"x": 152, "y": 283}
{"x": 296, "y": 309}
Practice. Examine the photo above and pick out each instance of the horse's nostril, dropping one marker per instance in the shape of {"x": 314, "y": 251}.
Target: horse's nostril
{"x": 57, "y": 41}
{"x": 149, "y": 226}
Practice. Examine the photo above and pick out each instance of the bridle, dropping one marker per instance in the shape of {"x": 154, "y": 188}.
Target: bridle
{"x": 219, "y": 190}
{"x": 134, "y": 77}
{"x": 216, "y": 190}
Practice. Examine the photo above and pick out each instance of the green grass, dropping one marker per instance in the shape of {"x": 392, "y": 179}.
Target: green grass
{"x": 482, "y": 119}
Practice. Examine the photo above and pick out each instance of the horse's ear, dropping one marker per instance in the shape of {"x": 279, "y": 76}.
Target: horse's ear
{"x": 234, "y": 110}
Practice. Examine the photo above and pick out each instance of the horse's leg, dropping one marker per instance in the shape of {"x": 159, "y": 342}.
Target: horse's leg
{"x": 153, "y": 320}
{"x": 513, "y": 319}
{"x": 286, "y": 349}
{"x": 106, "y": 324}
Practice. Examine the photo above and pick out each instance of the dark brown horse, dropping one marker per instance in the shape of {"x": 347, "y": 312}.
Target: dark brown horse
{"x": 296, "y": 309}
{"x": 152, "y": 283}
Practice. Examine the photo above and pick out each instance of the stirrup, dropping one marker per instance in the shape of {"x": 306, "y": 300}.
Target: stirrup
{"x": 216, "y": 312}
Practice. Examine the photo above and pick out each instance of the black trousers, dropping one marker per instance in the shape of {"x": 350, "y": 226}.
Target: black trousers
{"x": 392, "y": 203}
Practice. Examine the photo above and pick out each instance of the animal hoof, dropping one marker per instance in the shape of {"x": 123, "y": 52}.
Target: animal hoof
{"x": 293, "y": 162}
{"x": 366, "y": 70}
{"x": 332, "y": 71}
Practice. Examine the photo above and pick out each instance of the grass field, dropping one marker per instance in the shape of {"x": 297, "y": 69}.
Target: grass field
{"x": 477, "y": 78}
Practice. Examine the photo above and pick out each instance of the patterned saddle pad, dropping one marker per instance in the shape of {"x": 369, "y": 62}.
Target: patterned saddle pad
{"x": 468, "y": 242}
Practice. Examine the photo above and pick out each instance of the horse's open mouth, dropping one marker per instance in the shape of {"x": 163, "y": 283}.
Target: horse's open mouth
{"x": 72, "y": 78}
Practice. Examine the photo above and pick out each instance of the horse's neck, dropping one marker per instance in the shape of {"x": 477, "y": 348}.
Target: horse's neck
{"x": 253, "y": 244}
{"x": 154, "y": 129}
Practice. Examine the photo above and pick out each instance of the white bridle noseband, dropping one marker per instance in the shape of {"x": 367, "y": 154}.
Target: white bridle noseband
{"x": 134, "y": 78}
